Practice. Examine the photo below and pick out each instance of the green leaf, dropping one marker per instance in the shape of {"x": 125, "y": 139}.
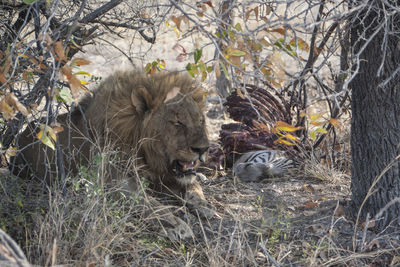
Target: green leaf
{"x": 238, "y": 27}
{"x": 65, "y": 95}
{"x": 321, "y": 130}
{"x": 28, "y": 2}
{"x": 201, "y": 66}
{"x": 148, "y": 68}
{"x": 197, "y": 55}
{"x": 237, "y": 53}
{"x": 189, "y": 69}
{"x": 285, "y": 47}
{"x": 279, "y": 43}
{"x": 224, "y": 70}
{"x": 313, "y": 135}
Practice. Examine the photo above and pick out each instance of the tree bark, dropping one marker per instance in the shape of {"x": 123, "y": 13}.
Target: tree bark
{"x": 375, "y": 126}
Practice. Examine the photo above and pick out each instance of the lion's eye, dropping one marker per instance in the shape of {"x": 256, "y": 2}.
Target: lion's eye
{"x": 178, "y": 123}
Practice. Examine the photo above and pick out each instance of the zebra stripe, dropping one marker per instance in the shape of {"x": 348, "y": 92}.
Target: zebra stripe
{"x": 256, "y": 165}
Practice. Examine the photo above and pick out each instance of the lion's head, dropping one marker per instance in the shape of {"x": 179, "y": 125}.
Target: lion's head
{"x": 163, "y": 114}
{"x": 158, "y": 117}
{"x": 180, "y": 139}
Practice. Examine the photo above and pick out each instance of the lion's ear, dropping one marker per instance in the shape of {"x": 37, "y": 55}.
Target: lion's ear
{"x": 141, "y": 100}
{"x": 171, "y": 94}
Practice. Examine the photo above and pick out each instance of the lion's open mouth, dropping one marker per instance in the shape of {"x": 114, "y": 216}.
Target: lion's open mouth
{"x": 180, "y": 167}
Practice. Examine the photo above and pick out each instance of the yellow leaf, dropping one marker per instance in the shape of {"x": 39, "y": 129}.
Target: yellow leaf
{"x": 313, "y": 135}
{"x": 316, "y": 116}
{"x": 43, "y": 136}
{"x": 176, "y": 31}
{"x": 84, "y": 82}
{"x": 280, "y": 140}
{"x": 292, "y": 137}
{"x": 51, "y": 133}
{"x": 83, "y": 73}
{"x": 283, "y": 126}
{"x": 239, "y": 93}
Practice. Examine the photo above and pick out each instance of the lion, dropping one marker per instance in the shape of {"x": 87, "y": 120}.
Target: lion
{"x": 156, "y": 118}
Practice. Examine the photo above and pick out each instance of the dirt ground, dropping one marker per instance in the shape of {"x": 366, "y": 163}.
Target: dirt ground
{"x": 292, "y": 221}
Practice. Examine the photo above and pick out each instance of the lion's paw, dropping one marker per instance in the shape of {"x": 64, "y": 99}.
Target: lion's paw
{"x": 198, "y": 205}
{"x": 177, "y": 229}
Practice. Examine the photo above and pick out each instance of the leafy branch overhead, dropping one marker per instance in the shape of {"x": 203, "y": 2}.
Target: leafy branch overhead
{"x": 37, "y": 43}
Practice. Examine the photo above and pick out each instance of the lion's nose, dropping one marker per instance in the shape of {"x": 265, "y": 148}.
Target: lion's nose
{"x": 200, "y": 151}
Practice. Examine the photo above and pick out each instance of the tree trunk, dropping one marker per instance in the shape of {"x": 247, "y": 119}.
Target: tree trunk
{"x": 375, "y": 126}
{"x": 223, "y": 84}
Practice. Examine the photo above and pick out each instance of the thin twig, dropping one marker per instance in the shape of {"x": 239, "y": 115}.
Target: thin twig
{"x": 268, "y": 255}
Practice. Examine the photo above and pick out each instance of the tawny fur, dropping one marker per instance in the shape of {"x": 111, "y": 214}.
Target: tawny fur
{"x": 157, "y": 118}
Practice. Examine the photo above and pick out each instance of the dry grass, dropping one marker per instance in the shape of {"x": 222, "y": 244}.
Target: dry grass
{"x": 265, "y": 224}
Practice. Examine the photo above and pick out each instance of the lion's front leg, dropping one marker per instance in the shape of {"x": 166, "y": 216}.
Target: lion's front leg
{"x": 196, "y": 201}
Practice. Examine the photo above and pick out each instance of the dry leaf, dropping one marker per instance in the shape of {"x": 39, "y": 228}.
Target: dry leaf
{"x": 6, "y": 65}
{"x": 59, "y": 49}
{"x": 278, "y": 30}
{"x": 177, "y": 21}
{"x": 208, "y": 3}
{"x": 74, "y": 83}
{"x": 12, "y": 151}
{"x": 80, "y": 62}
{"x": 334, "y": 122}
{"x": 371, "y": 224}
{"x": 339, "y": 211}
{"x": 308, "y": 188}
{"x": 374, "y": 244}
{"x": 12, "y": 100}
{"x": 181, "y": 57}
{"x": 3, "y": 79}
{"x": 6, "y": 110}
{"x": 180, "y": 49}
{"x": 310, "y": 205}
{"x": 217, "y": 70}
{"x": 256, "y": 12}
{"x": 58, "y": 129}
{"x": 262, "y": 126}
